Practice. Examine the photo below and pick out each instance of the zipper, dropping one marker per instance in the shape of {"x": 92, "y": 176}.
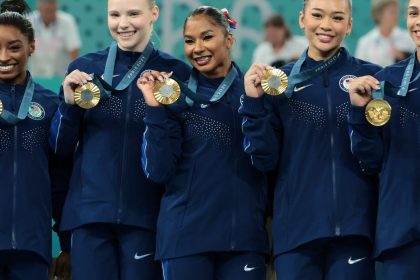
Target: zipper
{"x": 15, "y": 167}
{"x": 337, "y": 229}
{"x": 124, "y": 147}
{"x": 15, "y": 178}
{"x": 235, "y": 124}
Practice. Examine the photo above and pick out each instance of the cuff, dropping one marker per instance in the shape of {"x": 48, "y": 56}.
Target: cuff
{"x": 254, "y": 104}
{"x": 357, "y": 115}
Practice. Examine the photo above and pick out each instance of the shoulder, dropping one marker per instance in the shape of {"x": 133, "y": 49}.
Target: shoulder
{"x": 165, "y": 62}
{"x": 359, "y": 66}
{"x": 47, "y": 96}
{"x": 393, "y": 73}
{"x": 88, "y": 61}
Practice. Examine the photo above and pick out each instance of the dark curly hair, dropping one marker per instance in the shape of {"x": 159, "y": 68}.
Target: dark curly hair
{"x": 12, "y": 13}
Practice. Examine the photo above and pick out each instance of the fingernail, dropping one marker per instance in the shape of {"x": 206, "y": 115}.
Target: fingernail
{"x": 170, "y": 74}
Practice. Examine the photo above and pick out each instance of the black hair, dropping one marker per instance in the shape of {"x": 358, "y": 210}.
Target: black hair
{"x": 12, "y": 13}
{"x": 348, "y": 2}
{"x": 214, "y": 14}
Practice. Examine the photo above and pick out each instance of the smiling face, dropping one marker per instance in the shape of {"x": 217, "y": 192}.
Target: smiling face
{"x": 14, "y": 52}
{"x": 207, "y": 44}
{"x": 130, "y": 22}
{"x": 326, "y": 23}
{"x": 413, "y": 22}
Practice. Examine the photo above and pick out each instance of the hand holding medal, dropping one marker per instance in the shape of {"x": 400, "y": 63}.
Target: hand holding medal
{"x": 367, "y": 91}
{"x": 79, "y": 90}
{"x": 158, "y": 88}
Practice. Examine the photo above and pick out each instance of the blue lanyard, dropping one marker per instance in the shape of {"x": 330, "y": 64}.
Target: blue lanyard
{"x": 379, "y": 93}
{"x": 11, "y": 118}
{"x": 297, "y": 77}
{"x": 220, "y": 91}
{"x": 129, "y": 76}
{"x": 407, "y": 76}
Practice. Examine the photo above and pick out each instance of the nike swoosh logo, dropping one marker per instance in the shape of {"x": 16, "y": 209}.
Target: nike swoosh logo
{"x": 413, "y": 89}
{"x": 203, "y": 106}
{"x": 113, "y": 76}
{"x": 246, "y": 268}
{"x": 296, "y": 89}
{"x": 350, "y": 261}
{"x": 137, "y": 257}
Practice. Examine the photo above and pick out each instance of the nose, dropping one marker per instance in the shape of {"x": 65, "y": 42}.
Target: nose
{"x": 123, "y": 23}
{"x": 326, "y": 23}
{"x": 4, "y": 55}
{"x": 198, "y": 46}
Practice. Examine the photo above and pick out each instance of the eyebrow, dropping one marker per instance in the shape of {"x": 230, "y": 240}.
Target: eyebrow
{"x": 335, "y": 12}
{"x": 202, "y": 33}
{"x": 15, "y": 41}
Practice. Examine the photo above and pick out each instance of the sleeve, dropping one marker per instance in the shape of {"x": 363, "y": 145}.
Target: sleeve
{"x": 162, "y": 144}
{"x": 262, "y": 133}
{"x": 366, "y": 141}
{"x": 65, "y": 128}
{"x": 60, "y": 168}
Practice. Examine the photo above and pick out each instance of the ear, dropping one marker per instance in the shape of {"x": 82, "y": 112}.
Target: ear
{"x": 302, "y": 20}
{"x": 31, "y": 48}
{"x": 350, "y": 26}
{"x": 155, "y": 14}
{"x": 229, "y": 40}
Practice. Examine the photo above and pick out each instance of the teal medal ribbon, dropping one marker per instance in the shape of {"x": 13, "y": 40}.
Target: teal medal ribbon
{"x": 297, "y": 77}
{"x": 191, "y": 89}
{"x": 407, "y": 76}
{"x": 11, "y": 118}
{"x": 105, "y": 84}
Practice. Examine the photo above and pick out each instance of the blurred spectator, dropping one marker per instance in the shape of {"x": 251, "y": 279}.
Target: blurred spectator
{"x": 57, "y": 40}
{"x": 386, "y": 43}
{"x": 280, "y": 46}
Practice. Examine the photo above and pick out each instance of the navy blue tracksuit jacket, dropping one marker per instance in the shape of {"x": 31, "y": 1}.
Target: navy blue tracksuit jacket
{"x": 320, "y": 189}
{"x": 33, "y": 181}
{"x": 215, "y": 200}
{"x": 393, "y": 151}
{"x": 107, "y": 183}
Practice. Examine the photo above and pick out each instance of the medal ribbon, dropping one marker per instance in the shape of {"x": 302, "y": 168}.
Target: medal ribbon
{"x": 191, "y": 89}
{"x": 297, "y": 77}
{"x": 407, "y": 76}
{"x": 11, "y": 118}
{"x": 106, "y": 82}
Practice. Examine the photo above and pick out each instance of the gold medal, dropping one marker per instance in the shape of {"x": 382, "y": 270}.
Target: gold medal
{"x": 87, "y": 96}
{"x": 274, "y": 82}
{"x": 378, "y": 112}
{"x": 166, "y": 92}
{"x": 1, "y": 107}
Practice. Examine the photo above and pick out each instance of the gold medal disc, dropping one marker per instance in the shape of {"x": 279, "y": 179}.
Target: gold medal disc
{"x": 87, "y": 96}
{"x": 378, "y": 112}
{"x": 1, "y": 107}
{"x": 274, "y": 82}
{"x": 166, "y": 92}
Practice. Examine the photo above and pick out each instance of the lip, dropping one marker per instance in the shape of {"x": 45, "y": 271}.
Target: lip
{"x": 202, "y": 60}
{"x": 7, "y": 68}
{"x": 324, "y": 38}
{"x": 126, "y": 34}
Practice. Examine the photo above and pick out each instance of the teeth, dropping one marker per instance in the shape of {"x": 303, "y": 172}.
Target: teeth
{"x": 6, "y": 68}
{"x": 324, "y": 37}
{"x": 126, "y": 34}
{"x": 202, "y": 59}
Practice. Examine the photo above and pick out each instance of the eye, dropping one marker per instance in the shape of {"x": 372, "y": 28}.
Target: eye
{"x": 207, "y": 37}
{"x": 134, "y": 13}
{"x": 114, "y": 14}
{"x": 338, "y": 18}
{"x": 413, "y": 13}
{"x": 188, "y": 41}
{"x": 317, "y": 15}
{"x": 15, "y": 48}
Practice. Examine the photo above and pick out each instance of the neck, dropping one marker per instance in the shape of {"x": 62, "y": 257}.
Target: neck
{"x": 277, "y": 45}
{"x": 319, "y": 55}
{"x": 220, "y": 71}
{"x": 18, "y": 80}
{"x": 138, "y": 48}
